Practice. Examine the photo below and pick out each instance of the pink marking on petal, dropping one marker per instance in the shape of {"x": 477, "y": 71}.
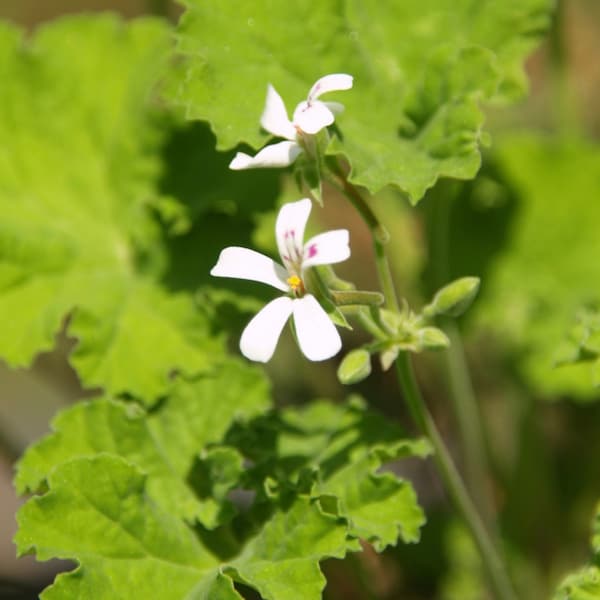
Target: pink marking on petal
{"x": 312, "y": 250}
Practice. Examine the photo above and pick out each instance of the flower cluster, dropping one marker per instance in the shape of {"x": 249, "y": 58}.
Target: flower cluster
{"x": 317, "y": 336}
{"x": 310, "y": 117}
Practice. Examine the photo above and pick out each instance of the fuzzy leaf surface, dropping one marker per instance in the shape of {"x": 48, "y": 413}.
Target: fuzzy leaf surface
{"x": 162, "y": 444}
{"x": 79, "y": 168}
{"x": 341, "y": 449}
{"x": 116, "y": 497}
{"x": 421, "y": 71}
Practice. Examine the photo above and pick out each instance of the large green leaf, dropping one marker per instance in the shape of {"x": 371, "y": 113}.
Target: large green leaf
{"x": 549, "y": 268}
{"x": 97, "y": 512}
{"x": 421, "y": 69}
{"x": 79, "y": 168}
{"x": 125, "y": 543}
{"x": 343, "y": 448}
{"x": 163, "y": 444}
{"x": 121, "y": 484}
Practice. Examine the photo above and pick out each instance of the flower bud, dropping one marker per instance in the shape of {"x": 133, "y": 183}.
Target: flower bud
{"x": 355, "y": 367}
{"x": 432, "y": 338}
{"x": 453, "y": 299}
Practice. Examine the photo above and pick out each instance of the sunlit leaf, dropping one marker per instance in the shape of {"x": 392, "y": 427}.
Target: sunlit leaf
{"x": 79, "y": 167}
{"x": 421, "y": 70}
{"x": 163, "y": 444}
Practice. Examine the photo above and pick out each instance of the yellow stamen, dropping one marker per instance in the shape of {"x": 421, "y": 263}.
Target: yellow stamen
{"x": 295, "y": 282}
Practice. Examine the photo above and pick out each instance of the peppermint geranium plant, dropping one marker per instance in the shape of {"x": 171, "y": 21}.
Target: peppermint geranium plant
{"x": 137, "y": 172}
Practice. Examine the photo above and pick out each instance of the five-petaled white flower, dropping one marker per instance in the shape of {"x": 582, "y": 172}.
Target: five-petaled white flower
{"x": 317, "y": 336}
{"x": 310, "y": 117}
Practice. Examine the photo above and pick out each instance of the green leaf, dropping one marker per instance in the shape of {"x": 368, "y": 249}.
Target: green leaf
{"x": 162, "y": 444}
{"x": 585, "y": 583}
{"x": 549, "y": 268}
{"x": 123, "y": 541}
{"x": 80, "y": 166}
{"x": 582, "y": 585}
{"x": 282, "y": 561}
{"x": 120, "y": 484}
{"x": 97, "y": 512}
{"x": 344, "y": 447}
{"x": 421, "y": 71}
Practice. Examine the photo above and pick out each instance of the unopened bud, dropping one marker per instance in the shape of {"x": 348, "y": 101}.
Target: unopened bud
{"x": 432, "y": 338}
{"x": 355, "y": 367}
{"x": 453, "y": 299}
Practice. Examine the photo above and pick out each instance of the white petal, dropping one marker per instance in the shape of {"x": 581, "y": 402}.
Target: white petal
{"x": 317, "y": 336}
{"x": 311, "y": 118}
{"x": 260, "y": 337}
{"x": 274, "y": 118}
{"x": 289, "y": 228}
{"x": 327, "y": 248}
{"x": 337, "y": 108}
{"x": 330, "y": 83}
{"x": 243, "y": 263}
{"x": 274, "y": 155}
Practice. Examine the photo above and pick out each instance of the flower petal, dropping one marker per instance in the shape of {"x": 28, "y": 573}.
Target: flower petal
{"x": 330, "y": 83}
{"x": 260, "y": 337}
{"x": 274, "y": 155}
{"x": 274, "y": 118}
{"x": 337, "y": 108}
{"x": 243, "y": 263}
{"x": 326, "y": 248}
{"x": 311, "y": 118}
{"x": 317, "y": 336}
{"x": 289, "y": 229}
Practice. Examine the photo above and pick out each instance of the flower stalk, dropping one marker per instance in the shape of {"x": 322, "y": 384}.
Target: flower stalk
{"x": 498, "y": 578}
{"x": 492, "y": 563}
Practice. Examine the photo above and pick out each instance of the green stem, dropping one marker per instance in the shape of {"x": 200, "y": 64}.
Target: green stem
{"x": 385, "y": 276}
{"x": 378, "y": 233}
{"x": 454, "y": 485}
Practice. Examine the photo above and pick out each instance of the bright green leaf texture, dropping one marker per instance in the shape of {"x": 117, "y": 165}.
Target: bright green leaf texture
{"x": 537, "y": 292}
{"x": 148, "y": 508}
{"x": 584, "y": 584}
{"x": 79, "y": 168}
{"x": 421, "y": 69}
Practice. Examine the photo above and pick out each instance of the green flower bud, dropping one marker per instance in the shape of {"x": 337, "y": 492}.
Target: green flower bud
{"x": 453, "y": 299}
{"x": 355, "y": 367}
{"x": 432, "y": 338}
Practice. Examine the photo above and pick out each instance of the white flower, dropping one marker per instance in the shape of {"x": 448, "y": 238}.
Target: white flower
{"x": 310, "y": 117}
{"x": 317, "y": 336}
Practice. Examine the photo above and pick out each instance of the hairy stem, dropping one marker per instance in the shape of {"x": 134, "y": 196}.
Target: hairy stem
{"x": 469, "y": 423}
{"x": 378, "y": 233}
{"x": 496, "y": 572}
